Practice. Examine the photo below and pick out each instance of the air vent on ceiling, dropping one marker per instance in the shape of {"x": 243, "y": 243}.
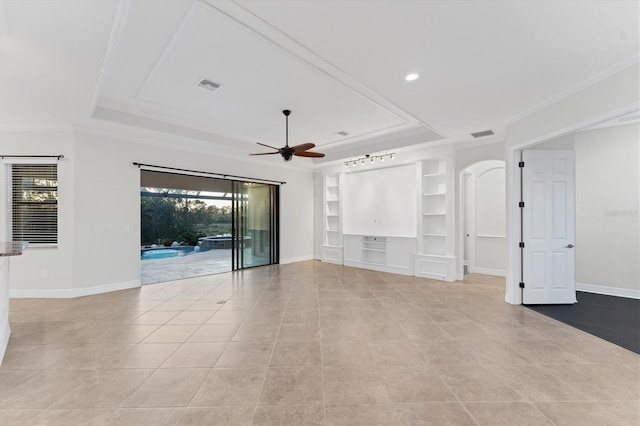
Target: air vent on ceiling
{"x": 482, "y": 133}
{"x": 208, "y": 84}
{"x": 342, "y": 133}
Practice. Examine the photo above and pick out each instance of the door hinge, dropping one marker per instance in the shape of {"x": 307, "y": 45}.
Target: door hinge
{"x": 521, "y": 164}
{"x": 521, "y": 285}
{"x": 521, "y": 204}
{"x": 521, "y": 245}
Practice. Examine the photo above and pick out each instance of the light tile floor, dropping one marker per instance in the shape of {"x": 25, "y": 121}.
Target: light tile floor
{"x": 310, "y": 344}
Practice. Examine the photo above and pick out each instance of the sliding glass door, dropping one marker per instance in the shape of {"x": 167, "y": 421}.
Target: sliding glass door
{"x": 196, "y": 225}
{"x": 255, "y": 224}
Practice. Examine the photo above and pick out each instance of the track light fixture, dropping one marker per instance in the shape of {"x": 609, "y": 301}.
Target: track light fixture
{"x": 369, "y": 157}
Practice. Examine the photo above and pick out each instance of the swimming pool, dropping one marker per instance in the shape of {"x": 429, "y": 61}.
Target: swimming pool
{"x": 164, "y": 253}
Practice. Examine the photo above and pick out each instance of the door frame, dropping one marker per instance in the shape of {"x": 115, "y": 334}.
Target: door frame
{"x": 468, "y": 218}
{"x": 513, "y": 294}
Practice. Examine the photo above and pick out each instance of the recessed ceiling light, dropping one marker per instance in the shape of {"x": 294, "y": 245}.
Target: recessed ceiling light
{"x": 411, "y": 77}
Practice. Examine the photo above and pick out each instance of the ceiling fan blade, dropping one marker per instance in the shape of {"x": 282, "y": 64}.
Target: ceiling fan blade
{"x": 268, "y": 146}
{"x": 309, "y": 154}
{"x": 303, "y": 147}
{"x": 266, "y": 153}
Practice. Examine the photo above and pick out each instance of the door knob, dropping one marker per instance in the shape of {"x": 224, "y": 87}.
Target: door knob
{"x": 570, "y": 246}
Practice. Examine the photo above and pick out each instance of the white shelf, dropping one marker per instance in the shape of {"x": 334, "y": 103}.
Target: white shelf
{"x": 434, "y": 167}
{"x": 436, "y": 234}
{"x": 385, "y": 254}
{"x": 332, "y": 247}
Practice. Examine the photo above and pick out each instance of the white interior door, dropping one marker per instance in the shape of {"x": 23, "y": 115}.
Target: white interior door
{"x": 548, "y": 227}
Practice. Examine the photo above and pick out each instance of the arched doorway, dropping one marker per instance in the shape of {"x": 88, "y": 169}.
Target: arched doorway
{"x": 483, "y": 245}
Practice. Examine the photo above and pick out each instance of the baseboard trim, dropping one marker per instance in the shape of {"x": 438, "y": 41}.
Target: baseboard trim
{"x": 296, "y": 259}
{"x": 4, "y": 339}
{"x": 68, "y": 293}
{"x": 608, "y": 291}
{"x": 489, "y": 271}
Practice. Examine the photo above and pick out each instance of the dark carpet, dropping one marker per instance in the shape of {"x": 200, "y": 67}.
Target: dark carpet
{"x": 616, "y": 319}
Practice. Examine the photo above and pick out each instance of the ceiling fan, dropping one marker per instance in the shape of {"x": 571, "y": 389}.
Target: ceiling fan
{"x": 287, "y": 152}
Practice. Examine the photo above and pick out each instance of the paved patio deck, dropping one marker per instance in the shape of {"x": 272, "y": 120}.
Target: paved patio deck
{"x": 192, "y": 265}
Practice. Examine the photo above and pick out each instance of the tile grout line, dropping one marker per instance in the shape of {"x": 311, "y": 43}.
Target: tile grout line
{"x": 324, "y": 391}
{"x": 273, "y": 349}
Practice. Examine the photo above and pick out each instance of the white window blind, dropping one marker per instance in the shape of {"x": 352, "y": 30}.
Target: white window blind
{"x": 33, "y": 203}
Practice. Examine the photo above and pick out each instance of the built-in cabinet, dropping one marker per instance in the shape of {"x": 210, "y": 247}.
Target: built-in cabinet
{"x": 332, "y": 209}
{"x": 435, "y": 257}
{"x": 385, "y": 254}
{"x": 430, "y": 254}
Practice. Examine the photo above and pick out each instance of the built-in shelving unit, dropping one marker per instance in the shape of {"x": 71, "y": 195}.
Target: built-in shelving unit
{"x": 386, "y": 254}
{"x": 332, "y": 245}
{"x": 435, "y": 246}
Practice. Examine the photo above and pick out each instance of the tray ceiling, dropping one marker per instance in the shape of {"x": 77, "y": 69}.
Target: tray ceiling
{"x": 338, "y": 65}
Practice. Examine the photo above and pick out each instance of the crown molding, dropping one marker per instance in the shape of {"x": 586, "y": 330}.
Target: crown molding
{"x": 176, "y": 142}
{"x": 577, "y": 127}
{"x": 590, "y": 81}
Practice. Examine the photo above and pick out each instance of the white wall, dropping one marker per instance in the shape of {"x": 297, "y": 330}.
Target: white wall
{"x": 607, "y": 203}
{"x": 99, "y": 209}
{"x": 489, "y": 222}
{"x": 380, "y": 202}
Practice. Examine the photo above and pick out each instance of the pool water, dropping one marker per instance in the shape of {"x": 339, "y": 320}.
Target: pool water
{"x": 166, "y": 253}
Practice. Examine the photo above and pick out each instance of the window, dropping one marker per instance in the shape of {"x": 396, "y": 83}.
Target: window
{"x": 33, "y": 203}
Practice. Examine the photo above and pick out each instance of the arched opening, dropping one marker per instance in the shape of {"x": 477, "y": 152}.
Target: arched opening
{"x": 483, "y": 242}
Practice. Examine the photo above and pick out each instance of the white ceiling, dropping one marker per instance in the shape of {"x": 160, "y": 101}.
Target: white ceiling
{"x": 338, "y": 65}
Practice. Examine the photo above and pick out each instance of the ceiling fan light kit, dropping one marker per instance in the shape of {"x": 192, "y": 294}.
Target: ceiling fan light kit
{"x": 287, "y": 152}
